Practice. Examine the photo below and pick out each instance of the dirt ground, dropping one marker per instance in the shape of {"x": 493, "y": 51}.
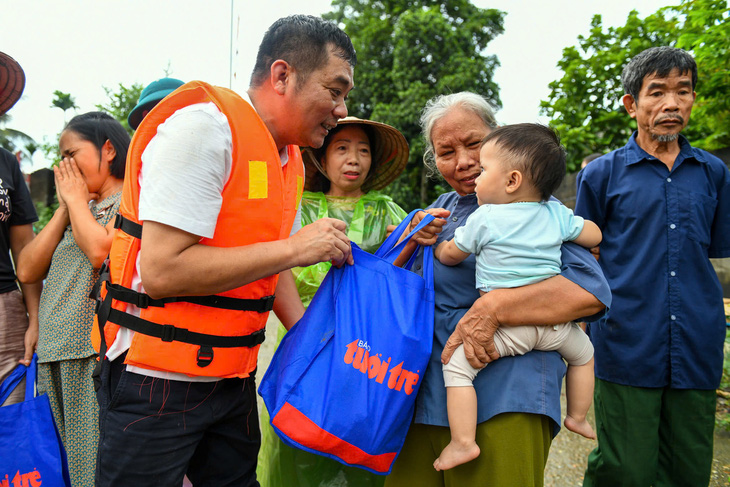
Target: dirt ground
{"x": 568, "y": 453}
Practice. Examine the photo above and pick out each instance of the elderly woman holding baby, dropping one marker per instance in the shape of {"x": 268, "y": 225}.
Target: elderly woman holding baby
{"x": 518, "y": 397}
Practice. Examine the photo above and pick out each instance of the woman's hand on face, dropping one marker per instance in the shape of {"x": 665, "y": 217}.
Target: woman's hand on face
{"x": 475, "y": 331}
{"x": 429, "y": 233}
{"x": 59, "y": 198}
{"x": 70, "y": 185}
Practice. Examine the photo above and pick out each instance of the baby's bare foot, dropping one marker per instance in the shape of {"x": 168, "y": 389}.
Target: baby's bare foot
{"x": 455, "y": 454}
{"x": 583, "y": 428}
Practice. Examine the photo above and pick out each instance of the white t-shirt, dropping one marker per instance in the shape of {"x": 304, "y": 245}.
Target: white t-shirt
{"x": 191, "y": 150}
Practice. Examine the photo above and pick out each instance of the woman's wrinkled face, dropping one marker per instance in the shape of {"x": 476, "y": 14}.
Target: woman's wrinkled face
{"x": 457, "y": 138}
{"x": 347, "y": 161}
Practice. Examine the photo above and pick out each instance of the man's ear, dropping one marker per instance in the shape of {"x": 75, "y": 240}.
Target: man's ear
{"x": 514, "y": 181}
{"x": 629, "y": 105}
{"x": 281, "y": 76}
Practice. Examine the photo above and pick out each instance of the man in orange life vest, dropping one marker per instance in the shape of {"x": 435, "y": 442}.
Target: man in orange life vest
{"x": 207, "y": 233}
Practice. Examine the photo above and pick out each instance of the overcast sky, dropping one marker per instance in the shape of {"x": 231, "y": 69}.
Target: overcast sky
{"x": 81, "y": 46}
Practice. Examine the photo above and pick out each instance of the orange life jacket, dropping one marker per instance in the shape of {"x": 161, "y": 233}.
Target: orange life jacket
{"x": 219, "y": 335}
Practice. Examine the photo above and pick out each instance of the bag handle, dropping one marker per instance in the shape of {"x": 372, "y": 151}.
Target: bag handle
{"x": 31, "y": 376}
{"x": 12, "y": 380}
{"x": 390, "y": 249}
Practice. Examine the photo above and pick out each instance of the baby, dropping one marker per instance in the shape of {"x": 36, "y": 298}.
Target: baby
{"x": 516, "y": 235}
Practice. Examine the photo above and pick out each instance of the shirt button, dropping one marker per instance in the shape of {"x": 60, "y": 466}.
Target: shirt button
{"x": 672, "y": 226}
{"x": 672, "y": 273}
{"x": 454, "y": 219}
{"x": 674, "y": 318}
{"x": 669, "y": 180}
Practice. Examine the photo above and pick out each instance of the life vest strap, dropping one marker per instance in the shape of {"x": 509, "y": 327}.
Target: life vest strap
{"x": 128, "y": 226}
{"x": 169, "y": 333}
{"x": 142, "y": 300}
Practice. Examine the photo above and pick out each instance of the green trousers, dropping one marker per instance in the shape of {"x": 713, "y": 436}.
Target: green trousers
{"x": 651, "y": 437}
{"x": 514, "y": 450}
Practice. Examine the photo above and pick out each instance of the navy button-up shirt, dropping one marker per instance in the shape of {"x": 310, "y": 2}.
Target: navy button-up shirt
{"x": 528, "y": 383}
{"x": 666, "y": 326}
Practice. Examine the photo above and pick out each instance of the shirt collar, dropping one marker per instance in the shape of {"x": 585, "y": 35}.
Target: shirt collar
{"x": 101, "y": 206}
{"x": 635, "y": 154}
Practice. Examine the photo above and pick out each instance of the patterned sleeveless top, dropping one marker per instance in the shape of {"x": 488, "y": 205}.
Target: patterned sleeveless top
{"x": 66, "y": 312}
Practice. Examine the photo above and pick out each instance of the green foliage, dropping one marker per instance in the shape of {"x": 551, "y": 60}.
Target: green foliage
{"x": 706, "y": 33}
{"x": 50, "y": 150}
{"x": 409, "y": 51}
{"x": 14, "y": 140}
{"x": 722, "y": 418}
{"x": 121, "y": 103}
{"x": 44, "y": 215}
{"x": 585, "y": 104}
{"x": 64, "y": 101}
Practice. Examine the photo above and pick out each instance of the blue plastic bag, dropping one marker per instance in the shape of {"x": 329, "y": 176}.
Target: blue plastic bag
{"x": 32, "y": 451}
{"x": 344, "y": 380}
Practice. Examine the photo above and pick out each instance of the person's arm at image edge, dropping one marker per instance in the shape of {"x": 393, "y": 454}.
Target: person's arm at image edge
{"x": 20, "y": 236}
{"x": 34, "y": 260}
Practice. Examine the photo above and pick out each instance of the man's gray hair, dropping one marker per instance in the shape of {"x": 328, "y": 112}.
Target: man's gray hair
{"x": 656, "y": 60}
{"x": 439, "y": 106}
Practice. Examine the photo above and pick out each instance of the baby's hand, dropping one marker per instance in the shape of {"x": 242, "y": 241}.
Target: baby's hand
{"x": 596, "y": 251}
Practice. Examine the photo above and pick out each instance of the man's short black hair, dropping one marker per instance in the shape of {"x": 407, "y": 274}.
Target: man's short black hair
{"x": 660, "y": 61}
{"x": 535, "y": 151}
{"x": 303, "y": 41}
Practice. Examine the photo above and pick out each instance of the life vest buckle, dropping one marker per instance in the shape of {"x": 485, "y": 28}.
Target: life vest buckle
{"x": 205, "y": 356}
{"x": 168, "y": 333}
{"x": 267, "y": 303}
{"x": 143, "y": 301}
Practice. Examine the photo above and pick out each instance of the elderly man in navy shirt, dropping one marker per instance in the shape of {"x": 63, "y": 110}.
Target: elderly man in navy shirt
{"x": 664, "y": 209}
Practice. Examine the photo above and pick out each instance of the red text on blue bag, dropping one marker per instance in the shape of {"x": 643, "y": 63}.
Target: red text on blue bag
{"x": 358, "y": 354}
{"x": 30, "y": 479}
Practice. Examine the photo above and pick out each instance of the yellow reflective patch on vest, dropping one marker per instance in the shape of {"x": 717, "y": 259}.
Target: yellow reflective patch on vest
{"x": 258, "y": 181}
{"x": 300, "y": 190}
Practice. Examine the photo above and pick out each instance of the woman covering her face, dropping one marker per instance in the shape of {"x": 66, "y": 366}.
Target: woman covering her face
{"x": 68, "y": 253}
{"x": 358, "y": 158}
